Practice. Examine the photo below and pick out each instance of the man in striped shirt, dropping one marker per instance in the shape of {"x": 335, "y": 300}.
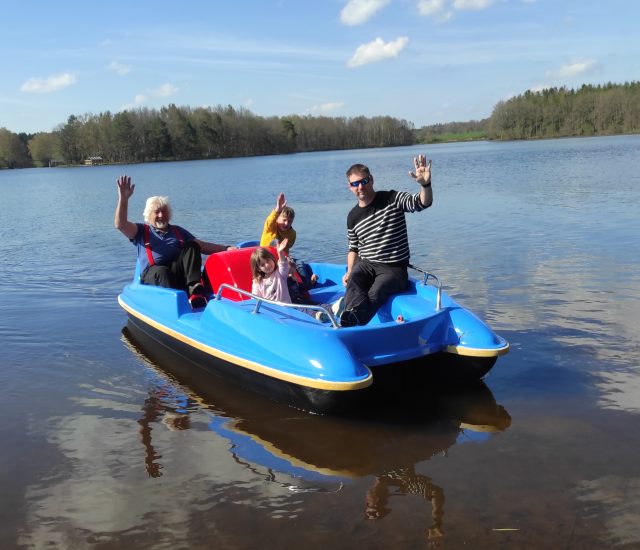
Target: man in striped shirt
{"x": 378, "y": 243}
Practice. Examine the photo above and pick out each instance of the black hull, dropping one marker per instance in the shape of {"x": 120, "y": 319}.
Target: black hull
{"x": 391, "y": 383}
{"x": 301, "y": 397}
{"x": 439, "y": 366}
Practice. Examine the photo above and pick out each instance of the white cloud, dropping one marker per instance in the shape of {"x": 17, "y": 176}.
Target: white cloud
{"x": 444, "y": 8}
{"x": 357, "y": 12}
{"x": 165, "y": 90}
{"x": 118, "y": 68}
{"x": 377, "y": 51}
{"x": 326, "y": 107}
{"x": 430, "y": 7}
{"x": 471, "y": 4}
{"x": 573, "y": 69}
{"x": 138, "y": 101}
{"x": 49, "y": 84}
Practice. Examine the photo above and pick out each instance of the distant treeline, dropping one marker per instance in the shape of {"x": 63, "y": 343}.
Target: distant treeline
{"x": 554, "y": 112}
{"x": 559, "y": 112}
{"x": 185, "y": 133}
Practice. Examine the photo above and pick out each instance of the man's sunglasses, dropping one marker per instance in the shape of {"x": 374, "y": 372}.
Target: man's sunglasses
{"x": 363, "y": 181}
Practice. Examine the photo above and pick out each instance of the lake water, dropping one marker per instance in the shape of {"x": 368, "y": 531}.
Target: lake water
{"x": 109, "y": 442}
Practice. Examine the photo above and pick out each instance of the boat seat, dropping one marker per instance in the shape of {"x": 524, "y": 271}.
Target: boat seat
{"x": 407, "y": 304}
{"x": 232, "y": 267}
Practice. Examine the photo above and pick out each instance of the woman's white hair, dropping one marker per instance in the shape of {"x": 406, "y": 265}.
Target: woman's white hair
{"x": 153, "y": 203}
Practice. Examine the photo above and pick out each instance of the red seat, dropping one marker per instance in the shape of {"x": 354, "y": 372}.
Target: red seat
{"x": 232, "y": 267}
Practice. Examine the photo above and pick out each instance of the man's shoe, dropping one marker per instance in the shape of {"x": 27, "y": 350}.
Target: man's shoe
{"x": 198, "y": 301}
{"x": 349, "y": 318}
{"x": 197, "y": 288}
{"x": 338, "y": 307}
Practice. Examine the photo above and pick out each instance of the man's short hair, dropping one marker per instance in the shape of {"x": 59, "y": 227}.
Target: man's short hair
{"x": 359, "y": 169}
{"x": 153, "y": 203}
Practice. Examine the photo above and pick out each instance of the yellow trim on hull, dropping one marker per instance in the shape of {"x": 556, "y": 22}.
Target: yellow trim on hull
{"x": 477, "y": 352}
{"x": 256, "y": 367}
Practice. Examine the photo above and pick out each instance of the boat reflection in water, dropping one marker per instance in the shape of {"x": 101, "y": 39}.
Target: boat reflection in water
{"x": 320, "y": 453}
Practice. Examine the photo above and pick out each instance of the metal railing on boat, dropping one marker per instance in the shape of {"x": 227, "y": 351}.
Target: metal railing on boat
{"x": 425, "y": 280}
{"x": 259, "y": 301}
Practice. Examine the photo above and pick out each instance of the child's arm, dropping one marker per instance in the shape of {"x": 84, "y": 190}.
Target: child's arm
{"x": 270, "y": 229}
{"x": 281, "y": 202}
{"x": 283, "y": 258}
{"x": 255, "y": 288}
{"x": 282, "y": 250}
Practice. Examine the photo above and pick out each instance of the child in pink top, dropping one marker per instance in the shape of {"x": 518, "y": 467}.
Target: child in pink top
{"x": 269, "y": 275}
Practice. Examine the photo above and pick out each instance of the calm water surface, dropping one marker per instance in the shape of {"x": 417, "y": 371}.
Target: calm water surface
{"x": 109, "y": 442}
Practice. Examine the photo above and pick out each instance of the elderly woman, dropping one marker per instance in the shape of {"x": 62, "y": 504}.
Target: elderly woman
{"x": 169, "y": 255}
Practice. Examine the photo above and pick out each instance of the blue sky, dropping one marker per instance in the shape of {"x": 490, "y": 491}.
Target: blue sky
{"x": 426, "y": 61}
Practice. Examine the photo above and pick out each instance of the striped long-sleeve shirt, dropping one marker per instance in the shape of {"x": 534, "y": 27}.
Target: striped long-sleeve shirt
{"x": 378, "y": 232}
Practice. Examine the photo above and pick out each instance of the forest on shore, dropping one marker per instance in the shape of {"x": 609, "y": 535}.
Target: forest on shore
{"x": 185, "y": 133}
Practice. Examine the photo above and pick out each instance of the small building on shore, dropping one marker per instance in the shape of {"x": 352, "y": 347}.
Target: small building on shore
{"x": 93, "y": 161}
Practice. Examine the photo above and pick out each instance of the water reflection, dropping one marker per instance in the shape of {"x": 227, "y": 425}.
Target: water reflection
{"x": 164, "y": 402}
{"x": 320, "y": 453}
{"x": 615, "y": 499}
{"x": 405, "y": 481}
{"x": 620, "y": 390}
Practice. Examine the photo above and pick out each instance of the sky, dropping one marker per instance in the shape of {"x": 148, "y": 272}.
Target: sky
{"x": 424, "y": 61}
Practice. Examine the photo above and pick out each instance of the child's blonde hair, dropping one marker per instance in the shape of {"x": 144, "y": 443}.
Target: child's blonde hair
{"x": 288, "y": 213}
{"x": 261, "y": 253}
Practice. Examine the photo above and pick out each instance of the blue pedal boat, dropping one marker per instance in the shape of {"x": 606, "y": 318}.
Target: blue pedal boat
{"x": 283, "y": 352}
